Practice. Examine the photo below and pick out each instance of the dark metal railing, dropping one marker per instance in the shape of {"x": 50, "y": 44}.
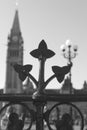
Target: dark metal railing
{"x": 45, "y": 97}
{"x": 60, "y": 99}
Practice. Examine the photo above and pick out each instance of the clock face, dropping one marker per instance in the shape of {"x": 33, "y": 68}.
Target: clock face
{"x": 15, "y": 38}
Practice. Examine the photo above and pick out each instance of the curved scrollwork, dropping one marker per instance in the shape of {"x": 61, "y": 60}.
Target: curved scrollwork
{"x": 32, "y": 113}
{"x": 48, "y": 112}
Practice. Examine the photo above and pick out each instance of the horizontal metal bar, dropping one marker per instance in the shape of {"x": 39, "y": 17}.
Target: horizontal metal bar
{"x": 68, "y": 98}
{"x": 44, "y": 98}
{"x": 15, "y": 97}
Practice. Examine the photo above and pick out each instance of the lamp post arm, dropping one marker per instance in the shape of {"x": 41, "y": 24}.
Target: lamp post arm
{"x": 69, "y": 57}
{"x": 33, "y": 79}
{"x": 66, "y": 55}
{"x": 73, "y": 55}
{"x": 48, "y": 80}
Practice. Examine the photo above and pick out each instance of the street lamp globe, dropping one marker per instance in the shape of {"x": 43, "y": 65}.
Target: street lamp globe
{"x": 75, "y": 48}
{"x": 68, "y": 43}
{"x": 63, "y": 48}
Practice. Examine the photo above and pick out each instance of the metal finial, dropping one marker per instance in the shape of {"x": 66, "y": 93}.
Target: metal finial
{"x": 17, "y": 3}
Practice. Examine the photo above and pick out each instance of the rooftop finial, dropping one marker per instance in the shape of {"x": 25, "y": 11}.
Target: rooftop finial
{"x": 16, "y": 3}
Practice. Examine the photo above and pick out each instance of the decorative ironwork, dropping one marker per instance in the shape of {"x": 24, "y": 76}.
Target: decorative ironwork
{"x": 40, "y": 103}
{"x": 58, "y": 104}
{"x": 40, "y": 98}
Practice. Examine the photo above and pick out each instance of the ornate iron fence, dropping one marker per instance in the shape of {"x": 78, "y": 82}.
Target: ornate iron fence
{"x": 39, "y": 117}
{"x": 42, "y": 115}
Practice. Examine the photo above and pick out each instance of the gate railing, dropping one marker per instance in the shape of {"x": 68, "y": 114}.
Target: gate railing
{"x": 38, "y": 114}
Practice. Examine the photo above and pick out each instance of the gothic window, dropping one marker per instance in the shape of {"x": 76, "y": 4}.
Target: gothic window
{"x": 14, "y": 53}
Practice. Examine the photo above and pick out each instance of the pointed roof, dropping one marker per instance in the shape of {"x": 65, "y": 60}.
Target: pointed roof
{"x": 16, "y": 25}
{"x": 67, "y": 84}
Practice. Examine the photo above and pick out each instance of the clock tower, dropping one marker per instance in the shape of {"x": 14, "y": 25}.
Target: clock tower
{"x": 14, "y": 55}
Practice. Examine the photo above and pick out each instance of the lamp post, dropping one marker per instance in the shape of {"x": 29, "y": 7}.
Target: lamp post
{"x": 69, "y": 52}
{"x": 42, "y": 53}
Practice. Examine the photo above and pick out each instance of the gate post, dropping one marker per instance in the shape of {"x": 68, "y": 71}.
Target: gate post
{"x": 39, "y": 115}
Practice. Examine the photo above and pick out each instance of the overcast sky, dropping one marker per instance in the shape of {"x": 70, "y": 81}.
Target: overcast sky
{"x": 55, "y": 21}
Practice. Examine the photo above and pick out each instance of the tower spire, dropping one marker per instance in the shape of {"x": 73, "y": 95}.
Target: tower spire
{"x": 14, "y": 55}
{"x": 16, "y": 25}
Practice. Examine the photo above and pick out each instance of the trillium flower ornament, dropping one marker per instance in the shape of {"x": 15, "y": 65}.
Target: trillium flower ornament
{"x": 60, "y": 72}
{"x": 23, "y": 71}
{"x": 42, "y": 51}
